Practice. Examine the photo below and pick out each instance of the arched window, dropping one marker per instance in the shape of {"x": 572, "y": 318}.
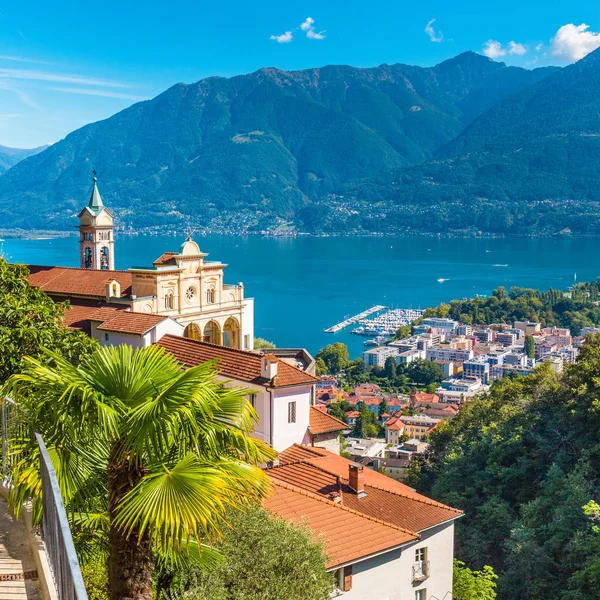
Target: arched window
{"x": 190, "y": 293}
{"x": 88, "y": 258}
{"x": 114, "y": 290}
{"x": 192, "y": 331}
{"x": 210, "y": 296}
{"x": 212, "y": 333}
{"x": 168, "y": 300}
{"x": 231, "y": 333}
{"x": 104, "y": 258}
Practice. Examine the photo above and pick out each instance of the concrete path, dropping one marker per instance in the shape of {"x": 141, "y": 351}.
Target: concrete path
{"x": 16, "y": 560}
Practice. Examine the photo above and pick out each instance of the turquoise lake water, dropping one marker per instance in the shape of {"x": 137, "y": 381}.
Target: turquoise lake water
{"x": 303, "y": 285}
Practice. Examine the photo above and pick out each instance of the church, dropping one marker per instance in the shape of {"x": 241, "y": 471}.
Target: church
{"x": 181, "y": 285}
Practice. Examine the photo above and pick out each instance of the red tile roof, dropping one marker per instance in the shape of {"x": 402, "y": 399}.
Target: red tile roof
{"x": 349, "y": 535}
{"x": 237, "y": 364}
{"x": 78, "y": 314}
{"x": 78, "y": 282}
{"x": 322, "y": 422}
{"x": 122, "y": 321}
{"x": 324, "y": 473}
{"x": 168, "y": 258}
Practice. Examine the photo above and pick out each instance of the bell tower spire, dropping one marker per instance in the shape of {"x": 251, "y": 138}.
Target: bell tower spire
{"x": 96, "y": 240}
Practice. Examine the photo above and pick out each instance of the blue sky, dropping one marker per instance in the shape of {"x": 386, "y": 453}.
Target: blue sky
{"x": 64, "y": 64}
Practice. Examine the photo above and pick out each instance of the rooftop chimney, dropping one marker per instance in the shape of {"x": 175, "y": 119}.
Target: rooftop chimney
{"x": 357, "y": 479}
{"x": 268, "y": 366}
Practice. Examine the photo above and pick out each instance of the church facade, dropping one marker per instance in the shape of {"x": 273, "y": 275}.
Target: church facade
{"x": 182, "y": 285}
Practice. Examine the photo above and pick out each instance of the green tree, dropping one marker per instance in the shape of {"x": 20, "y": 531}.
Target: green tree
{"x": 403, "y": 332}
{"x": 424, "y": 372}
{"x": 390, "y": 368}
{"x": 473, "y": 585}
{"x": 30, "y": 321}
{"x": 320, "y": 367}
{"x": 264, "y": 557}
{"x": 383, "y": 406}
{"x": 361, "y": 426}
{"x": 529, "y": 346}
{"x": 262, "y": 344}
{"x": 335, "y": 357}
{"x": 431, "y": 388}
{"x": 146, "y": 453}
{"x": 335, "y": 410}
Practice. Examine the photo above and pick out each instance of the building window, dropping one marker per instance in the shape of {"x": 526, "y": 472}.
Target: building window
{"x": 106, "y": 337}
{"x": 190, "y": 294}
{"x": 168, "y": 301}
{"x": 104, "y": 262}
{"x": 247, "y": 342}
{"x": 291, "y": 412}
{"x": 210, "y": 296}
{"x": 421, "y": 595}
{"x": 88, "y": 258}
{"x": 421, "y": 554}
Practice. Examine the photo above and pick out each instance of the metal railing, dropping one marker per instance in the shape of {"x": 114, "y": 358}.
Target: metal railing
{"x": 55, "y": 530}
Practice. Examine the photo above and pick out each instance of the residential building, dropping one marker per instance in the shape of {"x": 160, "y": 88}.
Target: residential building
{"x": 484, "y": 336}
{"x": 395, "y": 468}
{"x": 280, "y": 393}
{"x": 360, "y": 449}
{"x": 324, "y": 429}
{"x": 440, "y": 323}
{"x": 465, "y": 330}
{"x": 478, "y": 367}
{"x": 394, "y": 430}
{"x": 418, "y": 426}
{"x": 383, "y": 540}
{"x": 506, "y": 338}
{"x": 408, "y": 356}
{"x": 115, "y": 326}
{"x": 528, "y": 327}
{"x": 499, "y": 371}
{"x": 450, "y": 354}
{"x": 376, "y": 357}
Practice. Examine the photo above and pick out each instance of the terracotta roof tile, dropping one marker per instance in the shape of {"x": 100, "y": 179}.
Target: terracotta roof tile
{"x": 237, "y": 364}
{"x": 349, "y": 536}
{"x": 322, "y": 422}
{"x": 82, "y": 282}
{"x": 124, "y": 321}
{"x": 168, "y": 258}
{"x": 396, "y": 504}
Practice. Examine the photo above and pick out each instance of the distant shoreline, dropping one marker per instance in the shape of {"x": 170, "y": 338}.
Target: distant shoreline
{"x": 36, "y": 234}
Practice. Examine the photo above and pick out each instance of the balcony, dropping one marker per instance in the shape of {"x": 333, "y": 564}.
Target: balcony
{"x": 420, "y": 571}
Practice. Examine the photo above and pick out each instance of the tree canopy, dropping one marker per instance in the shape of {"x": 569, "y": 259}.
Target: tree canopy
{"x": 30, "y": 320}
{"x": 263, "y": 557}
{"x": 334, "y": 356}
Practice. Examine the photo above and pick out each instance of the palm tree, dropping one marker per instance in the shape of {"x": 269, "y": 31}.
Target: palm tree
{"x": 149, "y": 453}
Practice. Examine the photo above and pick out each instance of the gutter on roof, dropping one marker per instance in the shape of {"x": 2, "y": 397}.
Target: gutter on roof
{"x": 462, "y": 514}
{"x": 374, "y": 554}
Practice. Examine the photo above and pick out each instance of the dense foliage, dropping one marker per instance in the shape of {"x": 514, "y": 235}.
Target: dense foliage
{"x": 262, "y": 344}
{"x": 576, "y": 310}
{"x": 473, "y": 585}
{"x": 523, "y": 462}
{"x": 30, "y": 321}
{"x": 148, "y": 456}
{"x": 265, "y": 558}
{"x": 333, "y": 357}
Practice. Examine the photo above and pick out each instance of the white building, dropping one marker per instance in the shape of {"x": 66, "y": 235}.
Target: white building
{"x": 384, "y": 541}
{"x": 376, "y": 357}
{"x": 440, "y": 323}
{"x": 449, "y": 354}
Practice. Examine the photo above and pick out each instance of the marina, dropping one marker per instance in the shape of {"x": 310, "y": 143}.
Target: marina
{"x": 355, "y": 319}
{"x": 387, "y": 323}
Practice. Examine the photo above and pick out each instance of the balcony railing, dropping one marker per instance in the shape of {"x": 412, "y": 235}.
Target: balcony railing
{"x": 420, "y": 570}
{"x": 56, "y": 534}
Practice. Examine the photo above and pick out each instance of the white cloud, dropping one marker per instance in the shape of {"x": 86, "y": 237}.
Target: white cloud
{"x": 311, "y": 34}
{"x": 23, "y": 59}
{"x": 97, "y": 92}
{"x": 307, "y": 24}
{"x": 574, "y": 41}
{"x": 284, "y": 38}
{"x": 493, "y": 49}
{"x": 58, "y": 78}
{"x": 430, "y": 31}
{"x": 20, "y": 94}
{"x": 515, "y": 48}
{"x": 539, "y": 46}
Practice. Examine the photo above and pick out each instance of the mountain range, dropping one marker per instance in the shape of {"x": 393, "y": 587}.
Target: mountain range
{"x": 270, "y": 142}
{"x": 9, "y": 157}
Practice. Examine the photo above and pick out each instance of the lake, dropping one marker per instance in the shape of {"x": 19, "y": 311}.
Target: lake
{"x": 304, "y": 285}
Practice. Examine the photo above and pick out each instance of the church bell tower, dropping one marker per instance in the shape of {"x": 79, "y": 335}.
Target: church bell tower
{"x": 96, "y": 240}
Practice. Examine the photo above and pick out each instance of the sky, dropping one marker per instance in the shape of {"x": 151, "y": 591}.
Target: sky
{"x": 65, "y": 64}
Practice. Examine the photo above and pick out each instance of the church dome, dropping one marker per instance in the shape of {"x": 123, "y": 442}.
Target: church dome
{"x": 189, "y": 248}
